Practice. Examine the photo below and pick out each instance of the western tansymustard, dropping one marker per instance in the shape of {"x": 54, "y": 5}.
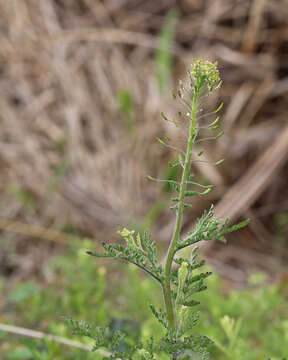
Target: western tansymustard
{"x": 180, "y": 278}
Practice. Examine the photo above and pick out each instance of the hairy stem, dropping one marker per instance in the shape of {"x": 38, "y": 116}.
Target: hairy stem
{"x": 179, "y": 217}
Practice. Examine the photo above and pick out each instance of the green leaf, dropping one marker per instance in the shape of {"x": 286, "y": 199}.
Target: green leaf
{"x": 191, "y": 303}
{"x": 198, "y": 277}
{"x": 208, "y": 228}
{"x": 160, "y": 315}
{"x": 139, "y": 243}
{"x": 237, "y": 226}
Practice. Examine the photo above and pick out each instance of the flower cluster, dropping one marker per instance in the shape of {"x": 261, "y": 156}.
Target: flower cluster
{"x": 204, "y": 73}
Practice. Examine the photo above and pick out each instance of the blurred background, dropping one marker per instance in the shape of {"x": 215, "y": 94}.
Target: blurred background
{"x": 82, "y": 86}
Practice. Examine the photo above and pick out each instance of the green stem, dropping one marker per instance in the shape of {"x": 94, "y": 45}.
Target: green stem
{"x": 179, "y": 218}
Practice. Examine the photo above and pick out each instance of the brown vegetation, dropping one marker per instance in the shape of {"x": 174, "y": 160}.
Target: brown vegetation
{"x": 68, "y": 154}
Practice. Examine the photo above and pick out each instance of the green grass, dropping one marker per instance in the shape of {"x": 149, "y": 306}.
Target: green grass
{"x": 163, "y": 56}
{"x": 78, "y": 289}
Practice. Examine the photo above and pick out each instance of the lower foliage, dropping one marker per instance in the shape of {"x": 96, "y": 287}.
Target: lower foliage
{"x": 257, "y": 306}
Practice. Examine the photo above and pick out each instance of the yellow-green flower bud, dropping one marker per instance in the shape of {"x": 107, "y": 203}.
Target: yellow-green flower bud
{"x": 187, "y": 319}
{"x": 182, "y": 275}
{"x": 129, "y": 237}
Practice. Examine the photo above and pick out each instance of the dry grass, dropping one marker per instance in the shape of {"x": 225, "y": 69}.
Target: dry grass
{"x": 65, "y": 149}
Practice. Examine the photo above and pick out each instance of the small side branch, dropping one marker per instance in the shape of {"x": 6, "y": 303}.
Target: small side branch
{"x": 129, "y": 261}
{"x": 146, "y": 270}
